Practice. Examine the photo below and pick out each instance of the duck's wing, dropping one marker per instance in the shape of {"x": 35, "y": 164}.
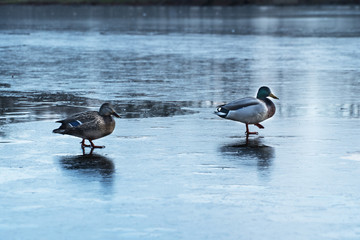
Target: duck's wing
{"x": 77, "y": 123}
{"x": 246, "y": 110}
{"x": 79, "y": 118}
{"x": 241, "y": 103}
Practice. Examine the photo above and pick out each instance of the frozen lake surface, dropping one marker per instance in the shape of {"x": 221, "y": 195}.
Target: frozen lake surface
{"x": 172, "y": 169}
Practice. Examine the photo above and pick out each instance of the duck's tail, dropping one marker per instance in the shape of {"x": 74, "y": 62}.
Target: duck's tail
{"x": 59, "y": 130}
{"x": 221, "y": 112}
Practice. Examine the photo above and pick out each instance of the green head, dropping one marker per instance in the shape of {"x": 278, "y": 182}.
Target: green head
{"x": 107, "y": 110}
{"x": 265, "y": 92}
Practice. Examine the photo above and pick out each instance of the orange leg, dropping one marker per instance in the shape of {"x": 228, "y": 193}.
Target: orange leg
{"x": 94, "y": 146}
{"x": 247, "y": 130}
{"x": 83, "y": 144}
{"x": 90, "y": 153}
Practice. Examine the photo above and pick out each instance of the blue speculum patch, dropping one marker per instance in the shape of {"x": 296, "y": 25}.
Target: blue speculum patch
{"x": 74, "y": 123}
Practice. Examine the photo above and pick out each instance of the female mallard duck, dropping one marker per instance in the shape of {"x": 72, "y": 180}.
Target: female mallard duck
{"x": 249, "y": 110}
{"x": 89, "y": 125}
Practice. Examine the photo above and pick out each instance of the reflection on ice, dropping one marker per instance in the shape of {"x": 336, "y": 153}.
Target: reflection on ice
{"x": 90, "y": 169}
{"x": 91, "y": 165}
{"x": 249, "y": 152}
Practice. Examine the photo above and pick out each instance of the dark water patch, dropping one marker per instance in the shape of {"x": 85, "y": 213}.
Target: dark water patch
{"x": 31, "y": 106}
{"x": 5, "y": 85}
{"x": 16, "y": 33}
{"x": 149, "y": 108}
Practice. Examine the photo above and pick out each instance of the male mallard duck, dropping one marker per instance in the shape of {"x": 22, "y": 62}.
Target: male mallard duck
{"x": 249, "y": 110}
{"x": 89, "y": 125}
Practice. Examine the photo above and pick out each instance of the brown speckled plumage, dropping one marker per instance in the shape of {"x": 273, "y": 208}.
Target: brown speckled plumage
{"x": 89, "y": 125}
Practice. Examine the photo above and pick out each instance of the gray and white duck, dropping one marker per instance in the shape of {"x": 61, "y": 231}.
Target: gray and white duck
{"x": 250, "y": 110}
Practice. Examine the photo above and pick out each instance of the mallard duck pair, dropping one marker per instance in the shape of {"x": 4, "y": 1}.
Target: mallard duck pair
{"x": 93, "y": 125}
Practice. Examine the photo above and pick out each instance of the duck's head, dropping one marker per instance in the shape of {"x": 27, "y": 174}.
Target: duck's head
{"x": 107, "y": 110}
{"x": 265, "y": 92}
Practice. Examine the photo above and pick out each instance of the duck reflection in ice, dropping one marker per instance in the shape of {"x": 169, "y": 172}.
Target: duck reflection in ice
{"x": 250, "y": 151}
{"x": 90, "y": 167}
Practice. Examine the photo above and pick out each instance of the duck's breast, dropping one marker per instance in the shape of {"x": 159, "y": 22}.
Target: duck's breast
{"x": 271, "y": 108}
{"x": 103, "y": 127}
{"x": 109, "y": 125}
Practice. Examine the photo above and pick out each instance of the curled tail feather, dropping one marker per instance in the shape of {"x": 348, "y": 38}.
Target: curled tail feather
{"x": 221, "y": 112}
